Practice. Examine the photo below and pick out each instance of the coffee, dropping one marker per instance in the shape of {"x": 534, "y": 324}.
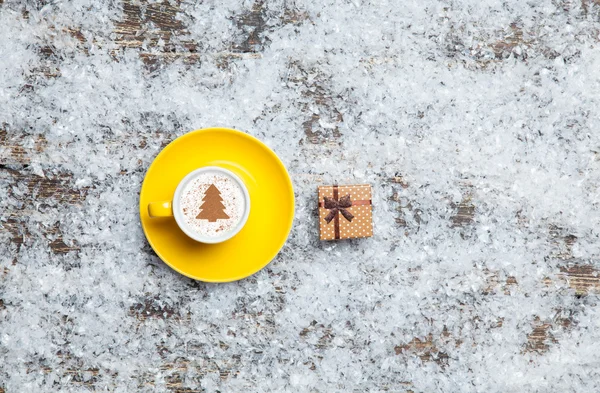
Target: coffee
{"x": 213, "y": 204}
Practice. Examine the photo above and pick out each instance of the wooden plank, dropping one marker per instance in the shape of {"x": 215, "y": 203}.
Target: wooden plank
{"x": 18, "y": 149}
{"x": 562, "y": 241}
{"x": 154, "y": 308}
{"x": 34, "y": 191}
{"x": 74, "y": 370}
{"x": 538, "y": 340}
{"x": 153, "y": 29}
{"x": 323, "y": 333}
{"x": 253, "y": 24}
{"x": 146, "y": 24}
{"x": 465, "y": 212}
{"x": 582, "y": 276}
{"x": 176, "y": 369}
{"x": 48, "y": 191}
{"x": 56, "y": 186}
{"x": 542, "y": 336}
{"x": 321, "y": 127}
{"x": 426, "y": 349}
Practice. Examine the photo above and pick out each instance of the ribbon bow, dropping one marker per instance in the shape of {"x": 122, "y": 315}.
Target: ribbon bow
{"x": 336, "y": 207}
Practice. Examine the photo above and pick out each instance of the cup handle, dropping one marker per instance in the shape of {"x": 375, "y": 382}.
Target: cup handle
{"x": 160, "y": 209}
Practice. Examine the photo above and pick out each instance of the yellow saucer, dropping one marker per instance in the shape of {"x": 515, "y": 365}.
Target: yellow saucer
{"x": 271, "y": 205}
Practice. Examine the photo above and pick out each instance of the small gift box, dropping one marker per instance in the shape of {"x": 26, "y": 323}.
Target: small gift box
{"x": 345, "y": 212}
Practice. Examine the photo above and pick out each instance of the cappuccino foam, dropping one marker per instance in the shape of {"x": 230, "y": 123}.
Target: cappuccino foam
{"x": 212, "y": 204}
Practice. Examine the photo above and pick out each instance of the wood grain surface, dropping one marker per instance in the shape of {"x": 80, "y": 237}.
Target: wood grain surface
{"x": 151, "y": 33}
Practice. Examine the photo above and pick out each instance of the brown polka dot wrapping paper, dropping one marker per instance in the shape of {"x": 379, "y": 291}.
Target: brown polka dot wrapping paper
{"x": 343, "y": 219}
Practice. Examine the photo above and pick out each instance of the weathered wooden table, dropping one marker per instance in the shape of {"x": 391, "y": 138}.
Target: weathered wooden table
{"x": 154, "y": 31}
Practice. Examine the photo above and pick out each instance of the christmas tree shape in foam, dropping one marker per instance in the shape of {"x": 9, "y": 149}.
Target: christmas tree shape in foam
{"x": 212, "y": 207}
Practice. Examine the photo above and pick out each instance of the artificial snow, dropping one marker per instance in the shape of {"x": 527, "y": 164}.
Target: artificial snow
{"x": 434, "y": 103}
